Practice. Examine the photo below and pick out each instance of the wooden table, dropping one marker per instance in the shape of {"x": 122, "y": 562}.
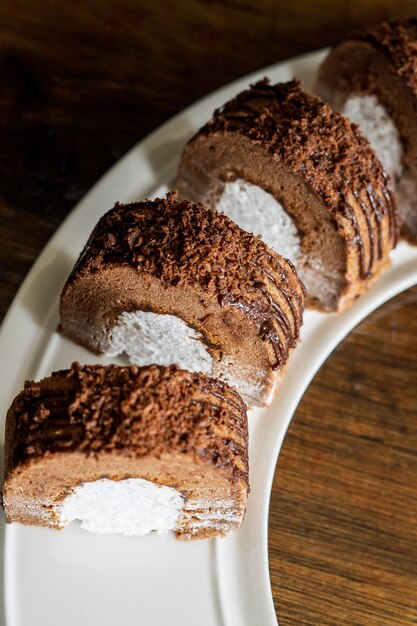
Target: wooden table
{"x": 83, "y": 82}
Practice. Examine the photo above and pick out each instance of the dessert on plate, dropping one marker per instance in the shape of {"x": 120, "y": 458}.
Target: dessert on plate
{"x": 168, "y": 281}
{"x": 372, "y": 79}
{"x": 128, "y": 450}
{"x": 283, "y": 164}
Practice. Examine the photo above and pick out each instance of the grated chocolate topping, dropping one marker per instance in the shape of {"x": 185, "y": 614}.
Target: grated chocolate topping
{"x": 397, "y": 40}
{"x": 135, "y": 411}
{"x": 322, "y": 147}
{"x": 184, "y": 243}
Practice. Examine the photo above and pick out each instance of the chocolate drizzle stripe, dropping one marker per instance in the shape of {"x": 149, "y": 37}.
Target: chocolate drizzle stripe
{"x": 212, "y": 386}
{"x": 290, "y": 298}
{"x": 224, "y": 398}
{"x": 237, "y": 420}
{"x": 263, "y": 318}
{"x": 357, "y": 240}
{"x": 364, "y": 208}
{"x": 378, "y": 217}
{"x": 267, "y": 331}
{"x": 394, "y": 229}
{"x": 283, "y": 273}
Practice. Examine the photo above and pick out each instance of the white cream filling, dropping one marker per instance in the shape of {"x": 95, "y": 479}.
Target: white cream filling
{"x": 378, "y": 128}
{"x": 406, "y": 198}
{"x": 318, "y": 280}
{"x": 244, "y": 385}
{"x": 258, "y": 212}
{"x": 132, "y": 506}
{"x": 148, "y": 338}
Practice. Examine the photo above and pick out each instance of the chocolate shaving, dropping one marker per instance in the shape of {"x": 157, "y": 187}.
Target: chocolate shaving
{"x": 136, "y": 411}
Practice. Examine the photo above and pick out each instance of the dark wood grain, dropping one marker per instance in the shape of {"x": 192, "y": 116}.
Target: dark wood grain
{"x": 343, "y": 517}
{"x": 83, "y": 82}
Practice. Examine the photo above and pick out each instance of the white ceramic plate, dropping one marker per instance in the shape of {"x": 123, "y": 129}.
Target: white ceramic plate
{"x": 74, "y": 577}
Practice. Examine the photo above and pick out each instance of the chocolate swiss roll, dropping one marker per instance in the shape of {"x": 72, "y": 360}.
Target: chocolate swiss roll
{"x": 167, "y": 282}
{"x": 127, "y": 450}
{"x": 372, "y": 79}
{"x": 282, "y": 164}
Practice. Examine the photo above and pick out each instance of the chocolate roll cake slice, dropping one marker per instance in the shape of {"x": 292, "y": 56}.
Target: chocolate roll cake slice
{"x": 173, "y": 282}
{"x": 282, "y": 164}
{"x": 372, "y": 79}
{"x": 127, "y": 450}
